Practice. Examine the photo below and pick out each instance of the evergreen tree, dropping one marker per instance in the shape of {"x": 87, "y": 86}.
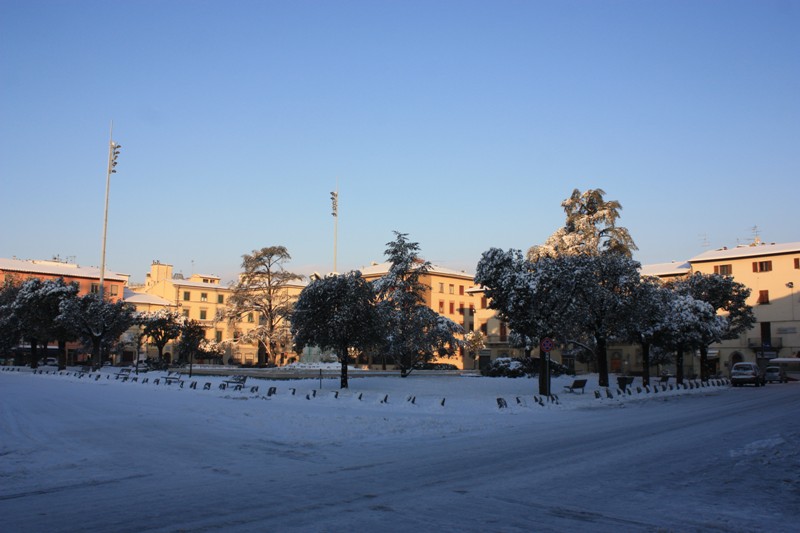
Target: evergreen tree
{"x": 413, "y": 331}
{"x": 337, "y": 313}
{"x": 161, "y": 327}
{"x": 725, "y": 296}
{"x": 590, "y": 229}
{"x": 97, "y": 323}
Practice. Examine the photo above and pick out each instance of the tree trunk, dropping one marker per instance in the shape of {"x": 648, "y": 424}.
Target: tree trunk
{"x": 62, "y": 355}
{"x": 645, "y": 363}
{"x": 602, "y": 361}
{"x": 679, "y": 365}
{"x": 96, "y": 352}
{"x": 704, "y": 362}
{"x": 343, "y": 359}
{"x": 34, "y": 353}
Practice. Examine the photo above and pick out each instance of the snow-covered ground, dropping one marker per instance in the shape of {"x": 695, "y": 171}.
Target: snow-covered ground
{"x": 106, "y": 455}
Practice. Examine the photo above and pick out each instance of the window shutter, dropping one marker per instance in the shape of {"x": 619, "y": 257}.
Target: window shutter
{"x": 755, "y": 266}
{"x": 716, "y": 269}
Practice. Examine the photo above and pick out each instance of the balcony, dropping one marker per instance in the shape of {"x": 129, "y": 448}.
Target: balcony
{"x": 772, "y": 343}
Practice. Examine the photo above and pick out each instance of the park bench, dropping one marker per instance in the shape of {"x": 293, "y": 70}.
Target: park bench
{"x": 576, "y": 384}
{"x": 173, "y": 377}
{"x": 623, "y": 382}
{"x": 123, "y": 373}
{"x": 237, "y": 382}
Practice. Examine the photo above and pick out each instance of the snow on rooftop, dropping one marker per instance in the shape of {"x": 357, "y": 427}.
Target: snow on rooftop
{"x": 379, "y": 269}
{"x": 674, "y": 268}
{"x": 747, "y": 250}
{"x": 57, "y": 268}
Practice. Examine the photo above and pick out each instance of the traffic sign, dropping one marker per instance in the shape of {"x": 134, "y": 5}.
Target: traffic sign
{"x": 546, "y": 345}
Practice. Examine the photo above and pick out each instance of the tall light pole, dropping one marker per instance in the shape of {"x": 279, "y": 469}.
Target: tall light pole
{"x": 335, "y": 213}
{"x": 113, "y": 153}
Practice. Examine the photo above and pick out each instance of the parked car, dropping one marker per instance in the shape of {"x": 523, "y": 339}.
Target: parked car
{"x": 50, "y": 361}
{"x": 742, "y": 373}
{"x": 773, "y": 374}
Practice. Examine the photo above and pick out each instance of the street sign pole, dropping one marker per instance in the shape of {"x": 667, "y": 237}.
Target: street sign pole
{"x": 545, "y": 347}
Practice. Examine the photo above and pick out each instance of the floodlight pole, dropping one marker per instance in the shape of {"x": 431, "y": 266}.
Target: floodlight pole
{"x": 335, "y": 213}
{"x": 113, "y": 153}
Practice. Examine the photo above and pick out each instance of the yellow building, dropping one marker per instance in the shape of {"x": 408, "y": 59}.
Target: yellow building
{"x": 447, "y": 293}
{"x": 772, "y": 273}
{"x": 204, "y": 299}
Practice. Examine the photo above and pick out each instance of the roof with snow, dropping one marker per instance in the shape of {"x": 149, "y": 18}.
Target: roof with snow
{"x": 674, "y": 268}
{"x": 379, "y": 269}
{"x": 143, "y": 299}
{"x": 57, "y": 268}
{"x": 748, "y": 250}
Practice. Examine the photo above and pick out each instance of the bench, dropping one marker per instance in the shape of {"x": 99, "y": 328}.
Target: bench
{"x": 576, "y": 384}
{"x": 85, "y": 369}
{"x": 237, "y": 382}
{"x": 173, "y": 377}
{"x": 623, "y": 382}
{"x": 664, "y": 379}
{"x": 123, "y": 373}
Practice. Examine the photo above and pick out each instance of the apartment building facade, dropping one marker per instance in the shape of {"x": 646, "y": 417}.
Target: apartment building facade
{"x": 772, "y": 272}
{"x": 447, "y": 293}
{"x": 205, "y": 299}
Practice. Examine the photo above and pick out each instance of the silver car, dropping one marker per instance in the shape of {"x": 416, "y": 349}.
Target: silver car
{"x": 773, "y": 374}
{"x": 742, "y": 373}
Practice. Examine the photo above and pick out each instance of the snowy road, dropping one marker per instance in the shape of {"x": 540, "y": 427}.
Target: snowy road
{"x": 79, "y": 456}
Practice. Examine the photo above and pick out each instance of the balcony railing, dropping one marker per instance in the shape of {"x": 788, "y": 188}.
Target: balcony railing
{"x": 758, "y": 342}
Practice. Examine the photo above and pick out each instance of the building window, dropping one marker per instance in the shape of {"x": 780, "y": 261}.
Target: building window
{"x": 483, "y": 302}
{"x": 220, "y": 299}
{"x": 461, "y": 290}
{"x": 503, "y": 332}
{"x": 185, "y": 313}
{"x": 452, "y": 289}
{"x": 797, "y": 262}
{"x": 762, "y": 266}
{"x": 95, "y": 288}
{"x": 485, "y": 329}
{"x": 441, "y": 287}
{"x": 250, "y": 318}
{"x": 763, "y": 297}
{"x": 441, "y": 307}
{"x": 452, "y": 308}
{"x": 218, "y": 336}
{"x": 186, "y": 296}
{"x": 461, "y": 308}
{"x": 723, "y": 270}
{"x": 203, "y": 296}
{"x": 203, "y": 314}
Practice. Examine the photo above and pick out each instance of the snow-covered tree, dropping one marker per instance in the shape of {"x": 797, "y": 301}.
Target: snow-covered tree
{"x": 582, "y": 300}
{"x": 10, "y": 333}
{"x": 414, "y": 333}
{"x": 727, "y": 297}
{"x": 687, "y": 323}
{"x": 98, "y": 323}
{"x": 649, "y": 308}
{"x": 474, "y": 342}
{"x": 590, "y": 229}
{"x": 161, "y": 327}
{"x": 337, "y": 313}
{"x": 262, "y": 290}
{"x": 37, "y": 308}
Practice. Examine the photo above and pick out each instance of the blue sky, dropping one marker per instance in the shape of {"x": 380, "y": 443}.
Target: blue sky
{"x": 463, "y": 124}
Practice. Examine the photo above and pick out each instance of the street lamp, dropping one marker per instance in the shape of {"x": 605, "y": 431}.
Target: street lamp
{"x": 113, "y": 154}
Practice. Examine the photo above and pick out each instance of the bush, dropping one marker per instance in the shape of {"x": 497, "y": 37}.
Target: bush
{"x": 508, "y": 367}
{"x": 518, "y": 367}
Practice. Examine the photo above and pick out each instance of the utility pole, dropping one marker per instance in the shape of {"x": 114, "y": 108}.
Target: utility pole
{"x": 113, "y": 154}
